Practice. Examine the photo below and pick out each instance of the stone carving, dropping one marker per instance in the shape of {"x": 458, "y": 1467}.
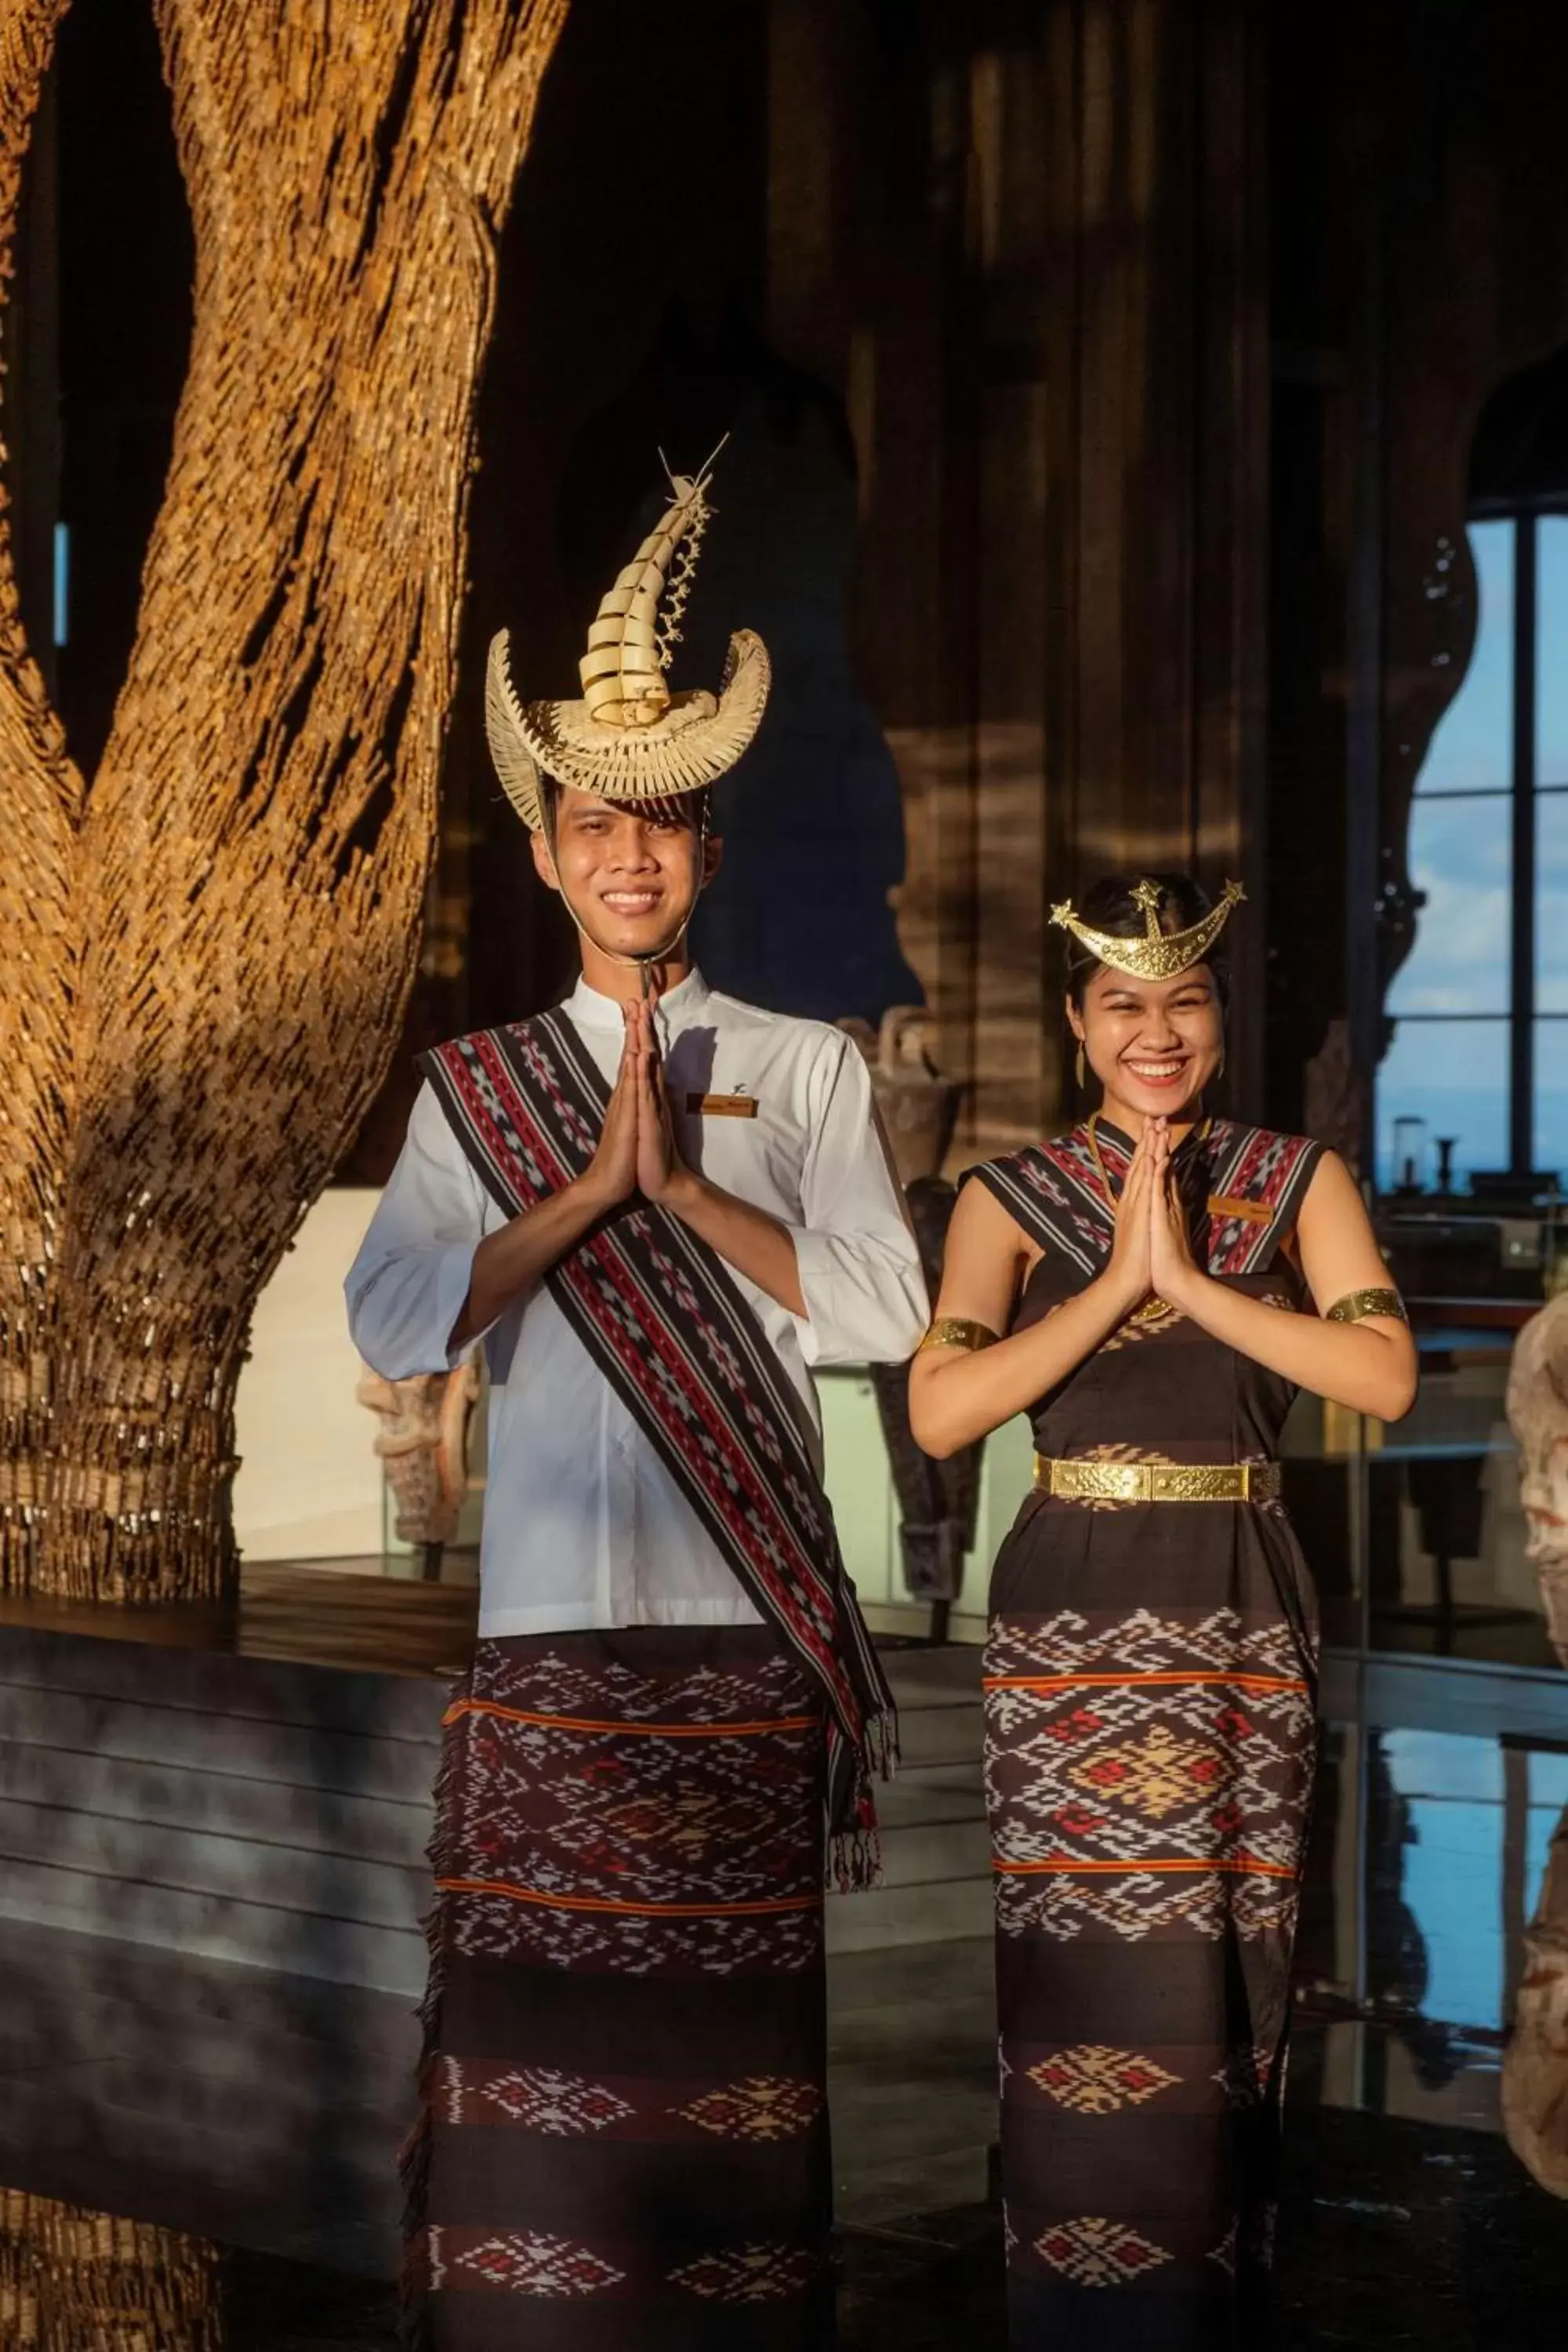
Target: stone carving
{"x": 1538, "y": 1415}
{"x": 426, "y": 1423}
{"x": 1536, "y": 2065}
{"x": 919, "y": 1108}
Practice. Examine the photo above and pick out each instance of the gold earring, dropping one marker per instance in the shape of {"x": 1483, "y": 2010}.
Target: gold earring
{"x": 1220, "y": 1072}
{"x": 1077, "y": 1064}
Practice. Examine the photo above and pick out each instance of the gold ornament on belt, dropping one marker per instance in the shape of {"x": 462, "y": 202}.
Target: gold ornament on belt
{"x": 1081, "y": 1481}
{"x": 630, "y": 738}
{"x": 1158, "y": 955}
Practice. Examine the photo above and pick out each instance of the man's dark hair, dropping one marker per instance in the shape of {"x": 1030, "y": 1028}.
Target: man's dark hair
{"x": 694, "y": 808}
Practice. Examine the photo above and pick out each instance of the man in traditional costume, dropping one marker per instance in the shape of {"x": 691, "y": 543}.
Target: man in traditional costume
{"x": 658, "y": 1207}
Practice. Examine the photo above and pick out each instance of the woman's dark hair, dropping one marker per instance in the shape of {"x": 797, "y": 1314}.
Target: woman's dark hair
{"x": 1110, "y": 906}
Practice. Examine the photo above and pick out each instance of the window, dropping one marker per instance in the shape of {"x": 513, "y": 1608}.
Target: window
{"x": 1480, "y": 1045}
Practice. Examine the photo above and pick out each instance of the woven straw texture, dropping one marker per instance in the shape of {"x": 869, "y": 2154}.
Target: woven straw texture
{"x": 207, "y": 949}
{"x": 77, "y": 2282}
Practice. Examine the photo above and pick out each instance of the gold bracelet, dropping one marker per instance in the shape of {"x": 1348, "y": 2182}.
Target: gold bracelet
{"x": 952, "y": 1332}
{"x": 1356, "y": 1305}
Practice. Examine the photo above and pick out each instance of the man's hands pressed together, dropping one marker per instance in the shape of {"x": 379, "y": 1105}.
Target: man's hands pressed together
{"x": 637, "y": 1154}
{"x": 611, "y": 1176}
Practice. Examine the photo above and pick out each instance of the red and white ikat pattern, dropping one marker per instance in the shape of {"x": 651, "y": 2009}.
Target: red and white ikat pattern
{"x": 520, "y": 2261}
{"x": 1146, "y": 1774}
{"x": 757, "y": 2274}
{"x": 760, "y": 2110}
{"x": 1092, "y": 2250}
{"x": 540, "y": 2265}
{"x": 609, "y": 1821}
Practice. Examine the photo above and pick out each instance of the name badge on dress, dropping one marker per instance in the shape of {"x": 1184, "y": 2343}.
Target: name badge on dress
{"x": 741, "y": 1106}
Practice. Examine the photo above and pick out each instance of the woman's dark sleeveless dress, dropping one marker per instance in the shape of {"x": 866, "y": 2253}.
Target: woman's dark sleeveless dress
{"x": 1150, "y": 1746}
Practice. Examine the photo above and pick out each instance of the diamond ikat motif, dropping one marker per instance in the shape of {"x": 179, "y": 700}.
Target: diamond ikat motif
{"x": 764, "y": 2107}
{"x": 1094, "y": 2251}
{"x": 749, "y": 2273}
{"x": 1095, "y": 2081}
{"x": 567, "y": 2106}
{"x": 1156, "y": 1775}
{"x": 525, "y": 2262}
{"x": 1123, "y": 1756}
{"x": 684, "y": 1828}
{"x": 632, "y": 1822}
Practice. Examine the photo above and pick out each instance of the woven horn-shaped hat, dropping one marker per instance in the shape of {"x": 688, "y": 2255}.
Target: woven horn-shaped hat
{"x": 1158, "y": 955}
{"x": 629, "y": 738}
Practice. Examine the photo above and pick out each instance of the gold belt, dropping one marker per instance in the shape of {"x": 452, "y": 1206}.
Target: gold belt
{"x": 1158, "y": 1482}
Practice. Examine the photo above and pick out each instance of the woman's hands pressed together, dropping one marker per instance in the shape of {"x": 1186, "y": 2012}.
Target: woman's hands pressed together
{"x": 1172, "y": 1267}
{"x": 1129, "y": 1270}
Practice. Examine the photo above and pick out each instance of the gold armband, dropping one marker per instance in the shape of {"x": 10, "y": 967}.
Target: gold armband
{"x": 1357, "y": 1305}
{"x": 951, "y": 1331}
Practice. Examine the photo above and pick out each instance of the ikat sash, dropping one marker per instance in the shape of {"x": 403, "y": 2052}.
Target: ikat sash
{"x": 1249, "y": 1181}
{"x": 662, "y": 1316}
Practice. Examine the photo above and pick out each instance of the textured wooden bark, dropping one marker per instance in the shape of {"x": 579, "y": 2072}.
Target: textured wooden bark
{"x": 243, "y": 891}
{"x": 77, "y": 2281}
{"x": 40, "y": 795}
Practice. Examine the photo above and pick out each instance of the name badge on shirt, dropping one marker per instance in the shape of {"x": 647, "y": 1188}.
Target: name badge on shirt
{"x": 722, "y": 1106}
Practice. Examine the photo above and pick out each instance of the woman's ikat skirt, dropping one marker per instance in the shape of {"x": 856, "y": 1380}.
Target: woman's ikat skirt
{"x": 1148, "y": 1773}
{"x": 623, "y": 2137}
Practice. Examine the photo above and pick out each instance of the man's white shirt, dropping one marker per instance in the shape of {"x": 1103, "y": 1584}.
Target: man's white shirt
{"x": 583, "y": 1525}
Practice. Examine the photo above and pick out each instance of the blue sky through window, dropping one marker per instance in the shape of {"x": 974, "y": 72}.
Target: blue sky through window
{"x": 1453, "y": 1072}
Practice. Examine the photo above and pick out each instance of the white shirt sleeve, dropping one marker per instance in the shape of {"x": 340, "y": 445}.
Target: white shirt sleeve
{"x": 406, "y": 1287}
{"x": 859, "y": 1266}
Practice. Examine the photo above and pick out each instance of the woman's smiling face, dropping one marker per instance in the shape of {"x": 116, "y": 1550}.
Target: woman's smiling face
{"x": 1154, "y": 1044}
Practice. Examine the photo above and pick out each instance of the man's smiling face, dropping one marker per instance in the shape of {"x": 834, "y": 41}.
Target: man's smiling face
{"x": 630, "y": 871}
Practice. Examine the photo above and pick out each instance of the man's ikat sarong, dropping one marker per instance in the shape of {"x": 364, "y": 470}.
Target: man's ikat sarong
{"x": 623, "y": 2134}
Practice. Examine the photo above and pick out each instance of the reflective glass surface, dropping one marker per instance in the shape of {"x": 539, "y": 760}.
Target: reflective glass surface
{"x": 1454, "y": 1075}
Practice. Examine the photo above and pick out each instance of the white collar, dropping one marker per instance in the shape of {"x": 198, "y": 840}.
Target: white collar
{"x": 587, "y": 1009}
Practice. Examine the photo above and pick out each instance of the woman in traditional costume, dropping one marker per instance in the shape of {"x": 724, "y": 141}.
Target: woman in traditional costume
{"x": 1153, "y": 1288}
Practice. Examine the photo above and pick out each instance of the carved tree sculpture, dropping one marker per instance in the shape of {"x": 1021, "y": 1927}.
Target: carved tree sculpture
{"x": 77, "y": 2281}
{"x": 918, "y": 1108}
{"x": 208, "y": 952}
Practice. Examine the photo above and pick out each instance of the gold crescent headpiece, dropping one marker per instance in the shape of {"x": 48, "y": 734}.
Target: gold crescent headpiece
{"x": 629, "y": 738}
{"x": 1158, "y": 955}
